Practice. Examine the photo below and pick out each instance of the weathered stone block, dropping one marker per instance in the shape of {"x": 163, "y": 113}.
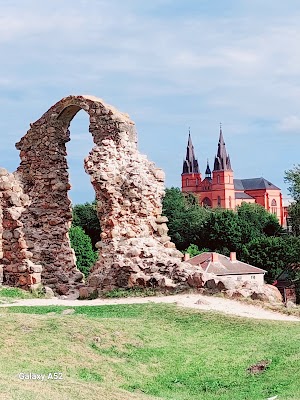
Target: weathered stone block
{"x": 88, "y": 292}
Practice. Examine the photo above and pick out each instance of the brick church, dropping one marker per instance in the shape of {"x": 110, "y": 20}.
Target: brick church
{"x": 219, "y": 188}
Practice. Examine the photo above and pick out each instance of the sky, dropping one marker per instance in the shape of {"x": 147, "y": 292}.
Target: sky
{"x": 169, "y": 64}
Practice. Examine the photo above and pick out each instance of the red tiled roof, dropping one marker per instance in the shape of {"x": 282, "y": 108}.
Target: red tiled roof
{"x": 224, "y": 266}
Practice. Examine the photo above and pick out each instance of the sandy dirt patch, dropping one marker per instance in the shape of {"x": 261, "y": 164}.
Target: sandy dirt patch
{"x": 195, "y": 301}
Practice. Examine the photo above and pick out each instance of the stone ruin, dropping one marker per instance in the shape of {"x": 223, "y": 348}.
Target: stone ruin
{"x": 36, "y": 213}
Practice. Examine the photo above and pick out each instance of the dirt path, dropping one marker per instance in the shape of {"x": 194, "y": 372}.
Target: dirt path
{"x": 195, "y": 301}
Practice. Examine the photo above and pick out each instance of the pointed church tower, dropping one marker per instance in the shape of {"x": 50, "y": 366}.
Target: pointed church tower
{"x": 207, "y": 171}
{"x": 223, "y": 194}
{"x": 191, "y": 176}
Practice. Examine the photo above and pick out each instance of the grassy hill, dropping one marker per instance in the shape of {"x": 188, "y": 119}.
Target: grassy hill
{"x": 145, "y": 352}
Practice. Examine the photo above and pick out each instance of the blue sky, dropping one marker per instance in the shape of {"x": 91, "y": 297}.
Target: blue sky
{"x": 170, "y": 65}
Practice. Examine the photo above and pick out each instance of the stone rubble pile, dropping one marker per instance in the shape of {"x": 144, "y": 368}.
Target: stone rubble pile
{"x": 212, "y": 284}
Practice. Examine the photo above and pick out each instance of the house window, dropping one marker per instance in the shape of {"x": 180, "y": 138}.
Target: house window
{"x": 219, "y": 201}
{"x": 218, "y": 178}
{"x": 274, "y": 207}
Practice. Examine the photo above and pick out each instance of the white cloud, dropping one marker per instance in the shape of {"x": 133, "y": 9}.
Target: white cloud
{"x": 290, "y": 124}
{"x": 172, "y": 68}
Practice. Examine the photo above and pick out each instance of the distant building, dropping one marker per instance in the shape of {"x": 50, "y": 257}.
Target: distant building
{"x": 221, "y": 265}
{"x": 219, "y": 188}
{"x": 287, "y": 286}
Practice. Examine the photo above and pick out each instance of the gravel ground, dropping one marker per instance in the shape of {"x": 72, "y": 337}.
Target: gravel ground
{"x": 195, "y": 301}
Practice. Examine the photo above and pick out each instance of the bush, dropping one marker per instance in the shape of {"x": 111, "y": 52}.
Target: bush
{"x": 82, "y": 245}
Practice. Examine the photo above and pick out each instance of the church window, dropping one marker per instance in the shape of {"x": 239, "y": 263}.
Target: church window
{"x": 218, "y": 178}
{"x": 274, "y": 206}
{"x": 187, "y": 182}
{"x": 206, "y": 202}
{"x": 196, "y": 181}
{"x": 229, "y": 201}
{"x": 219, "y": 201}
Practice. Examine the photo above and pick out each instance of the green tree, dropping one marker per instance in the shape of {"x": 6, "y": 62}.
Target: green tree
{"x": 254, "y": 220}
{"x": 221, "y": 231}
{"x": 292, "y": 177}
{"x": 82, "y": 245}
{"x": 294, "y": 217}
{"x": 273, "y": 254}
{"x": 226, "y": 230}
{"x": 193, "y": 250}
{"x": 186, "y": 217}
{"x": 85, "y": 216}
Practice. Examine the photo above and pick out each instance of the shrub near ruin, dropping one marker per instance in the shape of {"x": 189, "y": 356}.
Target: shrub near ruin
{"x": 82, "y": 245}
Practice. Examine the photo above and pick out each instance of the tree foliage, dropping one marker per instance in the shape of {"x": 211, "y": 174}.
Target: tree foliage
{"x": 186, "y": 217}
{"x": 82, "y": 245}
{"x": 273, "y": 254}
{"x": 294, "y": 217}
{"x": 85, "y": 216}
{"x": 216, "y": 229}
{"x": 226, "y": 230}
{"x": 193, "y": 250}
{"x": 292, "y": 177}
{"x": 221, "y": 231}
{"x": 255, "y": 221}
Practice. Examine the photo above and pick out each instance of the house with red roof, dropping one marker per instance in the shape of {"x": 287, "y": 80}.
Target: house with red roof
{"x": 230, "y": 267}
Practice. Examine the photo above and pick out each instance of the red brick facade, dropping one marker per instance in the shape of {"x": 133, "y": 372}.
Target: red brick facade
{"x": 219, "y": 188}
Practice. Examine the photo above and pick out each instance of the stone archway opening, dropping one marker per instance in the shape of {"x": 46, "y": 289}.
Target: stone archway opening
{"x": 82, "y": 193}
{"x": 78, "y": 148}
{"x": 135, "y": 249}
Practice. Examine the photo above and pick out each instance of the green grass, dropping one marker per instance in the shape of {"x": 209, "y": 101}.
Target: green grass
{"x": 147, "y": 351}
{"x": 14, "y": 293}
{"x": 11, "y": 294}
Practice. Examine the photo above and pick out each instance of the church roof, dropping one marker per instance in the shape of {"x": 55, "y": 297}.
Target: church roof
{"x": 242, "y": 195}
{"x": 254, "y": 184}
{"x": 190, "y": 164}
{"x": 222, "y": 160}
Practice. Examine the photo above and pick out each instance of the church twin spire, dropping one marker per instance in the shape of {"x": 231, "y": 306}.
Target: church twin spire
{"x": 190, "y": 164}
{"x": 222, "y": 160}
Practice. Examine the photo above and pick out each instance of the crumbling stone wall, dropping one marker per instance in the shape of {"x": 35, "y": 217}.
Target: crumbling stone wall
{"x": 15, "y": 259}
{"x": 134, "y": 248}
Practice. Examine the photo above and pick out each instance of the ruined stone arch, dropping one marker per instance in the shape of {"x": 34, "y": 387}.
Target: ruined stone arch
{"x": 128, "y": 190}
